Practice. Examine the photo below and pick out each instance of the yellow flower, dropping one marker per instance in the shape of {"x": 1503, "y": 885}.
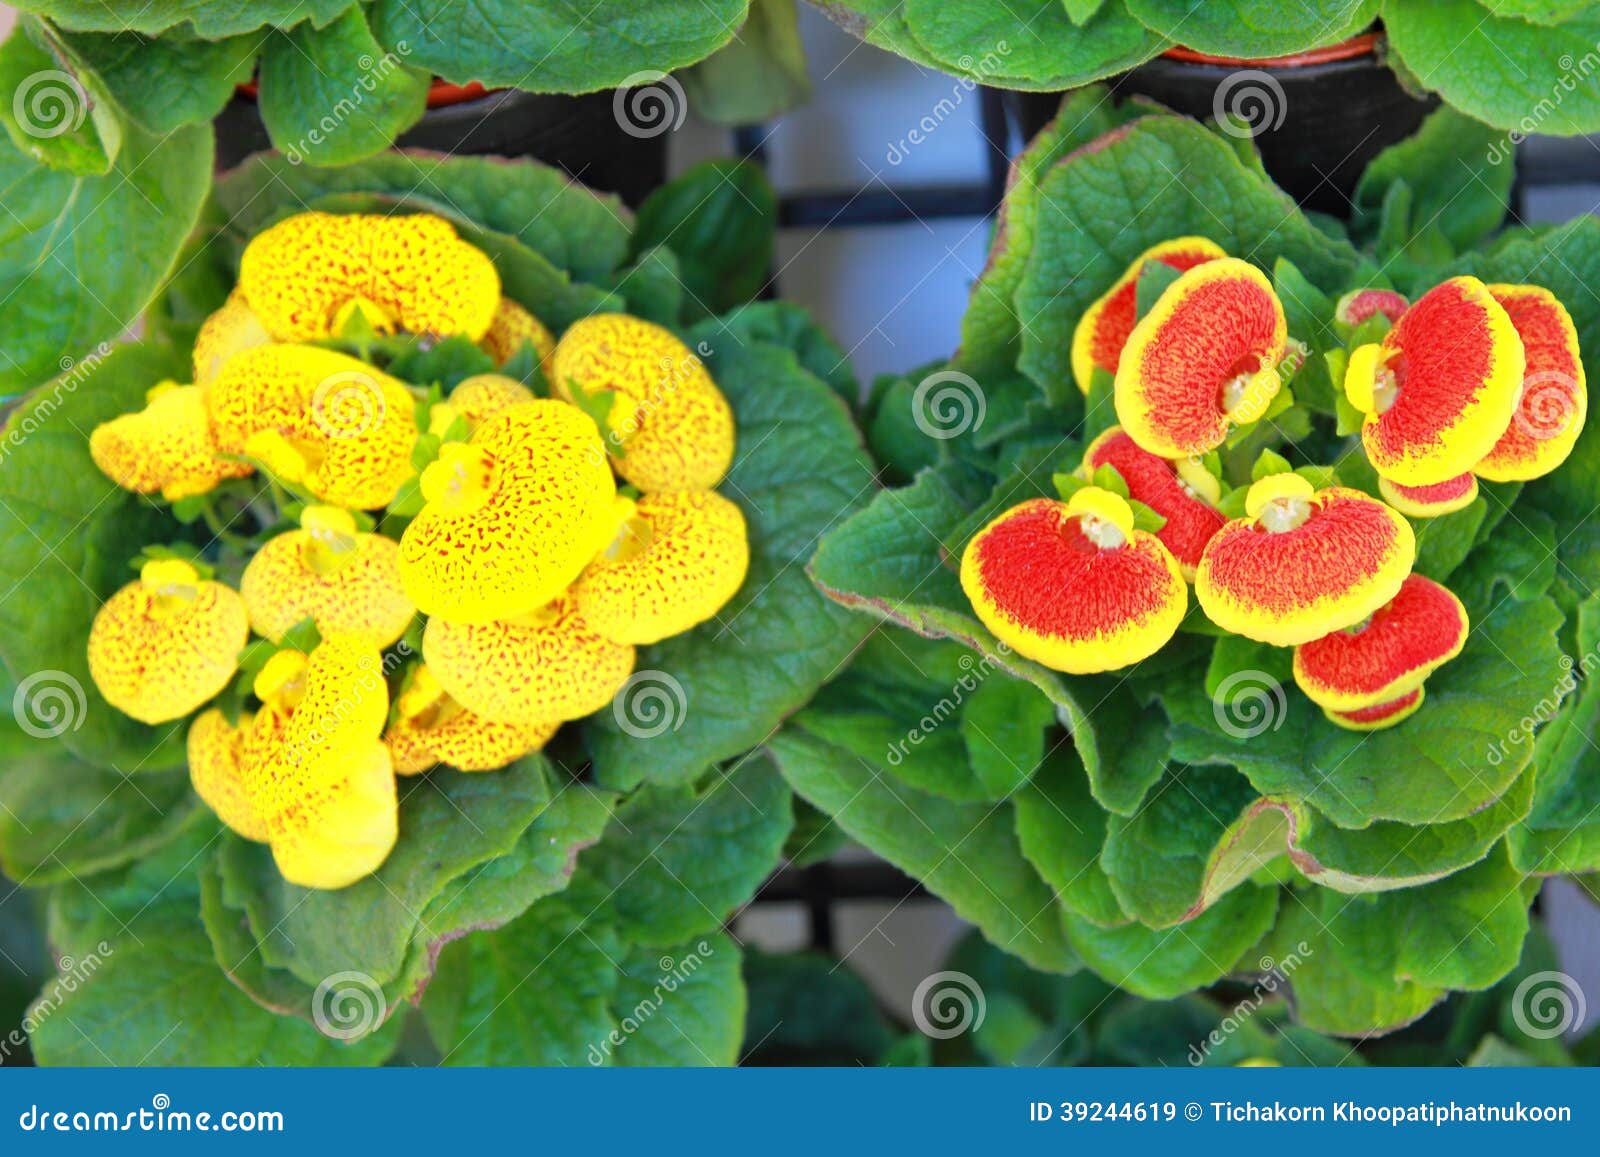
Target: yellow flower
{"x": 345, "y": 580}
{"x": 165, "y": 448}
{"x": 431, "y": 728}
{"x": 479, "y": 398}
{"x": 511, "y": 326}
{"x": 215, "y": 751}
{"x": 315, "y": 769}
{"x": 512, "y": 517}
{"x": 318, "y": 419}
{"x": 232, "y": 329}
{"x": 676, "y": 561}
{"x": 548, "y": 665}
{"x": 166, "y": 643}
{"x": 307, "y": 274}
{"x": 669, "y": 427}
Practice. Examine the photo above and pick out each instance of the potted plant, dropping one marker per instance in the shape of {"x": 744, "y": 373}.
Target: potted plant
{"x": 1326, "y": 73}
{"x": 1189, "y": 798}
{"x": 353, "y": 363}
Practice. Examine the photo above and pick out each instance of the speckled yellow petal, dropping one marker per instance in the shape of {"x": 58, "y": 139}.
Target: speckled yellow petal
{"x": 512, "y": 517}
{"x": 349, "y": 426}
{"x": 345, "y": 580}
{"x": 431, "y": 728}
{"x": 1104, "y": 328}
{"x": 510, "y": 327}
{"x": 317, "y": 772}
{"x": 165, "y": 448}
{"x": 482, "y": 396}
{"x": 1074, "y": 587}
{"x": 1441, "y": 388}
{"x": 306, "y": 273}
{"x": 1303, "y": 563}
{"x": 669, "y": 427}
{"x": 232, "y": 329}
{"x": 676, "y": 561}
{"x": 214, "y": 747}
{"x": 167, "y": 642}
{"x": 549, "y": 665}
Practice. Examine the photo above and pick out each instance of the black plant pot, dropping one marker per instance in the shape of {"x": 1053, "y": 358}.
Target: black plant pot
{"x": 1318, "y": 117}
{"x": 580, "y": 134}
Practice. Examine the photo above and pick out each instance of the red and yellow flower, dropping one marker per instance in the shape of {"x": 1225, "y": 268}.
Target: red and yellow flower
{"x": 1553, "y": 400}
{"x": 1181, "y": 492}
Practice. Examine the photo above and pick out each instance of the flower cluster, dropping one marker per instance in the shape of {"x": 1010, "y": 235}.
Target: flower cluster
{"x": 543, "y": 538}
{"x": 1470, "y": 381}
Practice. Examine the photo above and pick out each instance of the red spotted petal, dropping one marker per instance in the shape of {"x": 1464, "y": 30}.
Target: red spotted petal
{"x": 1191, "y": 521}
{"x": 1203, "y": 359}
{"x": 1554, "y": 399}
{"x": 1389, "y": 655}
{"x": 1440, "y": 389}
{"x": 1343, "y": 559}
{"x": 1043, "y": 586}
{"x": 1430, "y": 501}
{"x": 1381, "y": 716}
{"x": 1104, "y": 328}
{"x": 1359, "y": 304}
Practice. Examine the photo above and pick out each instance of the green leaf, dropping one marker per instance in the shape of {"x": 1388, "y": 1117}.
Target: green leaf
{"x": 800, "y": 467}
{"x": 67, "y": 535}
{"x": 53, "y": 110}
{"x": 83, "y": 255}
{"x": 1254, "y": 28}
{"x": 652, "y": 286}
{"x": 205, "y": 18}
{"x": 1162, "y": 964}
{"x": 990, "y": 329}
{"x": 1030, "y": 44}
{"x": 1268, "y": 463}
{"x": 789, "y": 325}
{"x": 332, "y": 95}
{"x": 720, "y": 218}
{"x": 682, "y": 1007}
{"x": 1154, "y": 279}
{"x": 1442, "y": 764}
{"x": 757, "y": 76}
{"x": 1460, "y": 180}
{"x": 1148, "y": 181}
{"x": 165, "y": 83}
{"x": 966, "y": 854}
{"x": 1520, "y": 556}
{"x": 1061, "y": 830}
{"x": 1495, "y": 67}
{"x": 556, "y": 45}
{"x": 1004, "y": 724}
{"x": 805, "y": 1009}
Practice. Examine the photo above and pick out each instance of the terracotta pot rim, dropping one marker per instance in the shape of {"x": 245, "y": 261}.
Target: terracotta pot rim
{"x": 1363, "y": 45}
{"x": 441, "y": 94}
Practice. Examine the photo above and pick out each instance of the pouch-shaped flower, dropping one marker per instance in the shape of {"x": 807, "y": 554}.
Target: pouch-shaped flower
{"x": 165, "y": 448}
{"x": 167, "y": 642}
{"x": 1074, "y": 585}
{"x": 509, "y": 328}
{"x": 431, "y": 728}
{"x": 1430, "y": 501}
{"x": 230, "y": 330}
{"x": 1303, "y": 562}
{"x": 1380, "y": 715}
{"x": 512, "y": 517}
{"x": 1172, "y": 489}
{"x": 215, "y": 750}
{"x": 1553, "y": 400}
